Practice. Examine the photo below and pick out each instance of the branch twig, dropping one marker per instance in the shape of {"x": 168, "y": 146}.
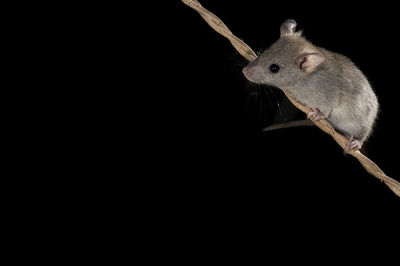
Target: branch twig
{"x": 249, "y": 54}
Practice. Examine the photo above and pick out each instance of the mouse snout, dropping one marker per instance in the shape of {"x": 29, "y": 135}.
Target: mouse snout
{"x": 246, "y": 72}
{"x": 251, "y": 73}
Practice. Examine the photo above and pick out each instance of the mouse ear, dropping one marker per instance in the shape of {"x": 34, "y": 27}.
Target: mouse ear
{"x": 288, "y": 28}
{"x": 308, "y": 62}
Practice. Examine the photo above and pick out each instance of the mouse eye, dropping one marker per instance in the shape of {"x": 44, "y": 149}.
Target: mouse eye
{"x": 274, "y": 68}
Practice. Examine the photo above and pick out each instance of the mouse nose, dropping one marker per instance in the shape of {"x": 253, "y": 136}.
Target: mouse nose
{"x": 248, "y": 72}
{"x": 245, "y": 71}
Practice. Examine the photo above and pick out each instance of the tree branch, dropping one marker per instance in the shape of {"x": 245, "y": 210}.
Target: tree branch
{"x": 249, "y": 54}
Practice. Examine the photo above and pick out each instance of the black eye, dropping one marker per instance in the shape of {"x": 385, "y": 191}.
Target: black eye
{"x": 274, "y": 68}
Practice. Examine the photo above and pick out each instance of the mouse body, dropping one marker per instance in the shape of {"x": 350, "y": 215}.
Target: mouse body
{"x": 327, "y": 82}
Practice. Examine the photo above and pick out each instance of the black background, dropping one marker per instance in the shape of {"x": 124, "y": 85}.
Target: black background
{"x": 160, "y": 131}
{"x": 174, "y": 147}
{"x": 208, "y": 124}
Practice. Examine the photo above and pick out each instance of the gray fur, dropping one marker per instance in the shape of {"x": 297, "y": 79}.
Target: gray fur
{"x": 332, "y": 83}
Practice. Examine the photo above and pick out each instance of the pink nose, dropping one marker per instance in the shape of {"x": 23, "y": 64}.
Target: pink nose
{"x": 245, "y": 72}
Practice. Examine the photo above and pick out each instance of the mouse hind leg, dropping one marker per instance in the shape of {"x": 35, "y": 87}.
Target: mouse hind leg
{"x": 347, "y": 126}
{"x": 352, "y": 144}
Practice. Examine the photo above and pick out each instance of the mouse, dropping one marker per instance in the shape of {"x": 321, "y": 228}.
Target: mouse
{"x": 329, "y": 83}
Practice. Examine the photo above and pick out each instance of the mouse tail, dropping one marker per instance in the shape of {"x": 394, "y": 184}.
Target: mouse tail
{"x": 298, "y": 123}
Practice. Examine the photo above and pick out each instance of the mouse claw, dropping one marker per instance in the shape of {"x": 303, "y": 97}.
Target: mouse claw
{"x": 315, "y": 115}
{"x": 352, "y": 145}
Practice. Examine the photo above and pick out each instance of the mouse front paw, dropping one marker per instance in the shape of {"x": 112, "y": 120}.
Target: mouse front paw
{"x": 315, "y": 115}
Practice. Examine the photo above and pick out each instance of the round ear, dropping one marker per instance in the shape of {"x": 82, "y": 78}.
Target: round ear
{"x": 308, "y": 62}
{"x": 288, "y": 27}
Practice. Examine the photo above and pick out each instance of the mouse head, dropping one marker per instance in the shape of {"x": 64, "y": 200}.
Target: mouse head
{"x": 287, "y": 61}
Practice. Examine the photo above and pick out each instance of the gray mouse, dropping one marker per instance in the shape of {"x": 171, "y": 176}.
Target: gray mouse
{"x": 327, "y": 82}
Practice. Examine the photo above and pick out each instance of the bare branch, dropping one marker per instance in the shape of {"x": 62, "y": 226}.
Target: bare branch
{"x": 249, "y": 54}
{"x": 222, "y": 29}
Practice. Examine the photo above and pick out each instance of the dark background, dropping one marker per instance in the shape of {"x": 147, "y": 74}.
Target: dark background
{"x": 208, "y": 128}
{"x": 174, "y": 138}
{"x": 159, "y": 130}
{"x": 207, "y": 166}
